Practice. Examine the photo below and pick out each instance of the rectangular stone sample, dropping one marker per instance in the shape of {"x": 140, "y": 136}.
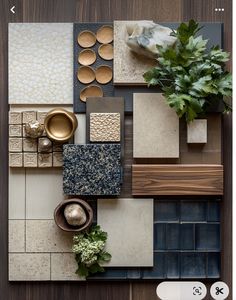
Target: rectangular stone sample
{"x": 29, "y": 266}
{"x": 15, "y": 130}
{"x": 177, "y": 180}
{"x": 129, "y": 224}
{"x": 16, "y": 160}
{"x": 80, "y": 132}
{"x": 92, "y": 169}
{"x": 16, "y": 235}
{"x": 45, "y": 236}
{"x": 43, "y": 192}
{"x": 104, "y": 127}
{"x": 15, "y": 144}
{"x": 156, "y": 127}
{"x": 30, "y": 160}
{"x": 45, "y": 76}
{"x": 197, "y": 131}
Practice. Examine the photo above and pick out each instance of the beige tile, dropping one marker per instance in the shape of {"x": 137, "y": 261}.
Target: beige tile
{"x": 15, "y": 144}
{"x": 16, "y": 160}
{"x": 57, "y": 147}
{"x": 16, "y": 208}
{"x": 45, "y": 236}
{"x": 41, "y": 115}
{"x": 29, "y": 116}
{"x": 30, "y": 145}
{"x": 45, "y": 160}
{"x": 30, "y": 160}
{"x": 129, "y": 224}
{"x": 15, "y": 130}
{"x": 16, "y": 232}
{"x": 29, "y": 266}
{"x": 15, "y": 117}
{"x": 197, "y": 131}
{"x": 63, "y": 267}
{"x": 43, "y": 192}
{"x": 80, "y": 133}
{"x": 57, "y": 159}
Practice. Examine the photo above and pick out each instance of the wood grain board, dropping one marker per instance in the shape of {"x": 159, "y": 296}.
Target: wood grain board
{"x": 177, "y": 180}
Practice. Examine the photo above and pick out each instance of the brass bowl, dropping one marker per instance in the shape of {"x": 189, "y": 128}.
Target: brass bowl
{"x": 87, "y": 57}
{"x": 105, "y": 34}
{"x": 86, "y": 74}
{"x": 105, "y": 51}
{"x": 60, "y": 219}
{"x": 60, "y": 124}
{"x": 103, "y": 74}
{"x": 86, "y": 39}
{"x": 91, "y": 91}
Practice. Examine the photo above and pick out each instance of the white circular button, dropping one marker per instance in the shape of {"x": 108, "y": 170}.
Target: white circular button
{"x": 219, "y": 290}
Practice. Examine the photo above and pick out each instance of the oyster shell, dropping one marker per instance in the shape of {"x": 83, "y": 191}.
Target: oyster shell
{"x": 75, "y": 214}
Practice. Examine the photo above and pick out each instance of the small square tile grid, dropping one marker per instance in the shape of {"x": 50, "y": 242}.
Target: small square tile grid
{"x": 25, "y": 151}
{"x": 92, "y": 169}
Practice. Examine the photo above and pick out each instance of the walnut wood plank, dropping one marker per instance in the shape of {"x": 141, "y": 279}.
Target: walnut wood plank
{"x": 155, "y": 180}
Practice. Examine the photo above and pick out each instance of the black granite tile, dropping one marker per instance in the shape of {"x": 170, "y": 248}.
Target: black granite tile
{"x": 213, "y": 211}
{"x": 187, "y": 237}
{"x": 193, "y": 265}
{"x": 172, "y": 265}
{"x": 213, "y": 265}
{"x": 173, "y": 236}
{"x": 166, "y": 210}
{"x": 159, "y": 268}
{"x": 207, "y": 237}
{"x": 159, "y": 236}
{"x": 193, "y": 211}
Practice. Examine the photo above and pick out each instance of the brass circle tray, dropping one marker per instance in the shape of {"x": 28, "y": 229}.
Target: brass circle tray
{"x": 91, "y": 91}
{"x": 86, "y": 74}
{"x": 105, "y": 51}
{"x": 87, "y": 57}
{"x": 86, "y": 39}
{"x": 105, "y": 34}
{"x": 103, "y": 74}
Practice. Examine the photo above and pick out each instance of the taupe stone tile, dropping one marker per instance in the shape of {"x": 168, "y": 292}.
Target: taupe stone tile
{"x": 29, "y": 266}
{"x": 16, "y": 233}
{"x": 15, "y": 117}
{"x": 30, "y": 160}
{"x": 129, "y": 224}
{"x": 80, "y": 133}
{"x": 16, "y": 209}
{"x": 16, "y": 160}
{"x": 30, "y": 145}
{"x": 29, "y": 116}
{"x": 15, "y": 130}
{"x": 45, "y": 236}
{"x": 57, "y": 159}
{"x": 41, "y": 115}
{"x": 197, "y": 131}
{"x": 45, "y": 160}
{"x": 15, "y": 144}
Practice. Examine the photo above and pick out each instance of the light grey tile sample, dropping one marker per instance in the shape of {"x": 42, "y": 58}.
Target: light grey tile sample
{"x": 29, "y": 266}
{"x": 16, "y": 235}
{"x": 80, "y": 132}
{"x": 40, "y": 63}
{"x": 129, "y": 224}
{"x": 156, "y": 127}
{"x": 197, "y": 131}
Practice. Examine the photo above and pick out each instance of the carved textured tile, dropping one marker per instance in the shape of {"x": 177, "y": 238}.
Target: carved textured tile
{"x": 15, "y": 159}
{"x": 104, "y": 127}
{"x": 15, "y": 130}
{"x": 16, "y": 232}
{"x": 41, "y": 115}
{"x": 15, "y": 144}
{"x": 15, "y": 117}
{"x": 29, "y": 145}
{"x": 30, "y": 160}
{"x": 29, "y": 116}
{"x": 57, "y": 159}
{"x": 44, "y": 160}
{"x": 57, "y": 147}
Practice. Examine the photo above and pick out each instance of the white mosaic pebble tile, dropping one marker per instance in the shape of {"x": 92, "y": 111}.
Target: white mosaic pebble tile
{"x": 16, "y": 233}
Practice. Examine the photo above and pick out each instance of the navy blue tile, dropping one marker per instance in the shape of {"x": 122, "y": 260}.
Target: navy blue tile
{"x": 93, "y": 204}
{"x": 193, "y": 211}
{"x": 166, "y": 210}
{"x": 213, "y": 265}
{"x": 158, "y": 270}
{"x": 172, "y": 236}
{"x": 159, "y": 236}
{"x": 187, "y": 236}
{"x": 207, "y": 237}
{"x": 172, "y": 265}
{"x": 213, "y": 211}
{"x": 193, "y": 265}
{"x": 134, "y": 274}
{"x": 110, "y": 273}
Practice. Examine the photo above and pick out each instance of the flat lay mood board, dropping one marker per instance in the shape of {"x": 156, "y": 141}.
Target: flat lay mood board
{"x": 71, "y": 86}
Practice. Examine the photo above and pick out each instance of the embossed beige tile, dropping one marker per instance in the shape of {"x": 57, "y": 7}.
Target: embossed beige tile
{"x": 45, "y": 236}
{"x": 43, "y": 192}
{"x": 16, "y": 197}
{"x": 16, "y": 232}
{"x": 129, "y": 224}
{"x": 57, "y": 147}
{"x": 30, "y": 160}
{"x": 15, "y": 144}
{"x": 80, "y": 133}
{"x": 63, "y": 267}
{"x": 30, "y": 145}
{"x": 15, "y": 130}
{"x": 45, "y": 160}
{"x": 41, "y": 115}
{"x": 156, "y": 127}
{"x": 197, "y": 131}
{"x": 57, "y": 159}
{"x": 16, "y": 160}
{"x": 29, "y": 266}
{"x": 29, "y": 116}
{"x": 15, "y": 117}
{"x": 104, "y": 127}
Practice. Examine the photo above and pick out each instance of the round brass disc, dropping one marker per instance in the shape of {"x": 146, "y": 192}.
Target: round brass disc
{"x": 105, "y": 34}
{"x": 104, "y": 74}
{"x": 86, "y": 39}
{"x": 91, "y": 91}
{"x": 87, "y": 57}
{"x": 86, "y": 74}
{"x": 106, "y": 51}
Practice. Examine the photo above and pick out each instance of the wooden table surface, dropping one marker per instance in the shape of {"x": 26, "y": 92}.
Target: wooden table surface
{"x": 92, "y": 11}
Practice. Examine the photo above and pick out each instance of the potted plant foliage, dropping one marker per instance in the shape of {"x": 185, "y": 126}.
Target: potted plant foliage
{"x": 191, "y": 78}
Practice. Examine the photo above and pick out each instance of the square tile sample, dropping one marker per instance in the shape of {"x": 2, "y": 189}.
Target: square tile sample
{"x": 15, "y": 144}
{"x": 15, "y": 130}
{"x": 45, "y": 76}
{"x": 104, "y": 127}
{"x": 197, "y": 132}
{"x": 129, "y": 224}
{"x": 156, "y": 127}
{"x": 92, "y": 169}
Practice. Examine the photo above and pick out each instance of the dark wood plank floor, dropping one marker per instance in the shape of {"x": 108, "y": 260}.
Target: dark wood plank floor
{"x": 104, "y": 10}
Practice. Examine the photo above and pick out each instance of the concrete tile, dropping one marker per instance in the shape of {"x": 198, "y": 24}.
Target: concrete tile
{"x": 80, "y": 133}
{"x": 63, "y": 267}
{"x": 15, "y": 117}
{"x": 45, "y": 236}
{"x": 15, "y": 130}
{"x": 131, "y": 241}
{"x": 29, "y": 266}
{"x": 15, "y": 144}
{"x": 30, "y": 160}
{"x": 197, "y": 131}
{"x": 156, "y": 127}
{"x": 16, "y": 197}
{"x": 16, "y": 233}
{"x": 43, "y": 192}
{"x": 29, "y": 116}
{"x": 45, "y": 160}
{"x": 30, "y": 145}
{"x": 15, "y": 160}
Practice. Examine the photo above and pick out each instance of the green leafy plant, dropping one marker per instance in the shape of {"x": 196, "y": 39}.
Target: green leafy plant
{"x": 89, "y": 251}
{"x": 191, "y": 78}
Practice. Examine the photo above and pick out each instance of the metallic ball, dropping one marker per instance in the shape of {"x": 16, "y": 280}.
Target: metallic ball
{"x": 34, "y": 129}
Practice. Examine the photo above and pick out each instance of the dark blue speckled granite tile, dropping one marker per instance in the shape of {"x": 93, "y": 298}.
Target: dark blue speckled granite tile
{"x": 213, "y": 211}
{"x": 193, "y": 265}
{"x": 159, "y": 268}
{"x": 92, "y": 169}
{"x": 166, "y": 211}
{"x": 159, "y": 236}
{"x": 172, "y": 236}
{"x": 213, "y": 265}
{"x": 187, "y": 237}
{"x": 172, "y": 265}
{"x": 207, "y": 237}
{"x": 193, "y": 211}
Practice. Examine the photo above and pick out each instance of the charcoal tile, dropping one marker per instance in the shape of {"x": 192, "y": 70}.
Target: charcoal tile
{"x": 193, "y": 265}
{"x": 159, "y": 236}
{"x": 158, "y": 271}
{"x": 172, "y": 265}
{"x": 213, "y": 265}
{"x": 172, "y": 236}
{"x": 187, "y": 237}
{"x": 193, "y": 211}
{"x": 207, "y": 237}
{"x": 134, "y": 274}
{"x": 213, "y": 211}
{"x": 166, "y": 211}
{"x": 110, "y": 273}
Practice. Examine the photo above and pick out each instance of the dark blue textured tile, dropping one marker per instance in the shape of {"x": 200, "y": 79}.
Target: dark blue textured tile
{"x": 159, "y": 236}
{"x": 187, "y": 237}
{"x": 110, "y": 273}
{"x": 93, "y": 204}
{"x": 172, "y": 265}
{"x": 166, "y": 211}
{"x": 213, "y": 265}
{"x": 193, "y": 211}
{"x": 159, "y": 268}
{"x": 213, "y": 211}
{"x": 134, "y": 274}
{"x": 193, "y": 265}
{"x": 207, "y": 237}
{"x": 172, "y": 236}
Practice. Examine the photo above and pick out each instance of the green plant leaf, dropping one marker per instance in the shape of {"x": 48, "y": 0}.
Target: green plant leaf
{"x": 105, "y": 256}
{"x": 95, "y": 268}
{"x": 82, "y": 270}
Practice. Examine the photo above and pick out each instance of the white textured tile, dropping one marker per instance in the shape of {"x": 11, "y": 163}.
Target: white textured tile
{"x": 29, "y": 266}
{"x": 197, "y": 131}
{"x": 45, "y": 236}
{"x": 41, "y": 63}
{"x": 16, "y": 232}
{"x": 16, "y": 193}
{"x": 43, "y": 192}
{"x": 63, "y": 267}
{"x": 80, "y": 133}
{"x": 129, "y": 224}
{"x": 156, "y": 127}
